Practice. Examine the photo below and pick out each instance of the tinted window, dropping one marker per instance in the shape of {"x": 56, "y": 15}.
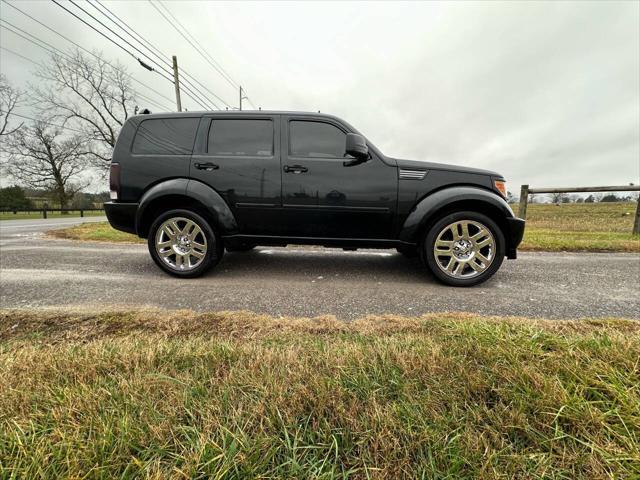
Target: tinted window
{"x": 166, "y": 136}
{"x": 241, "y": 137}
{"x": 316, "y": 139}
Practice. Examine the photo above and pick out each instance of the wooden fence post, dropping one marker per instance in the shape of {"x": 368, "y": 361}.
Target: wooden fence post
{"x": 524, "y": 199}
{"x": 636, "y": 223}
{"x": 81, "y": 213}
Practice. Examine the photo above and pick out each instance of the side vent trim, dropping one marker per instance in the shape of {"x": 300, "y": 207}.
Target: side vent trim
{"x": 409, "y": 174}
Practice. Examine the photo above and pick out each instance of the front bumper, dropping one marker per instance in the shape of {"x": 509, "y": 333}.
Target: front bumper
{"x": 516, "y": 232}
{"x": 122, "y": 216}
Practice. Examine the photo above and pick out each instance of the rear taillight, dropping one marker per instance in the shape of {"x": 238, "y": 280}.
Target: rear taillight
{"x": 114, "y": 181}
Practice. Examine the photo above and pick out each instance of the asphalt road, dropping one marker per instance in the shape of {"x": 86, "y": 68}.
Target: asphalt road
{"x": 39, "y": 272}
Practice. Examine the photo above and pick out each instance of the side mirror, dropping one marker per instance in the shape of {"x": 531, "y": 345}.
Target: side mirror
{"x": 356, "y": 146}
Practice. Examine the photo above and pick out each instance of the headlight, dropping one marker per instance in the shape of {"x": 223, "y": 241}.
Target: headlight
{"x": 501, "y": 186}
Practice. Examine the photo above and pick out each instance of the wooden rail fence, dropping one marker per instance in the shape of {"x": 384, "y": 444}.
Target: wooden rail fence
{"x": 44, "y": 211}
{"x": 525, "y": 191}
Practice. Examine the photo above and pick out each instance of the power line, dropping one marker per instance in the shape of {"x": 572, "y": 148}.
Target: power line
{"x": 132, "y": 33}
{"x": 154, "y": 50}
{"x": 199, "y": 94}
{"x": 187, "y": 92}
{"x": 27, "y": 38}
{"x": 201, "y": 49}
{"x": 48, "y": 123}
{"x": 53, "y": 50}
{"x": 198, "y": 47}
{"x": 19, "y": 55}
{"x": 88, "y": 51}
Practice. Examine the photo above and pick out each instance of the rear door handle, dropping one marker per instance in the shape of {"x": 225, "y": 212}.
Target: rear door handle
{"x": 295, "y": 169}
{"x": 206, "y": 166}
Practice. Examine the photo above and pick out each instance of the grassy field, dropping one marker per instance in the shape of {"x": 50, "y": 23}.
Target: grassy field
{"x": 52, "y": 214}
{"x": 597, "y": 227}
{"x": 160, "y": 394}
{"x": 581, "y": 227}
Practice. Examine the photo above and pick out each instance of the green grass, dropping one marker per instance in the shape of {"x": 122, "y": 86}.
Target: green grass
{"x": 596, "y": 227}
{"x": 53, "y": 214}
{"x": 234, "y": 395}
{"x": 581, "y": 227}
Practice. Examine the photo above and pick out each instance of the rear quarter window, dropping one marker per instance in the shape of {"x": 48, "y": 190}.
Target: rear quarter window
{"x": 165, "y": 136}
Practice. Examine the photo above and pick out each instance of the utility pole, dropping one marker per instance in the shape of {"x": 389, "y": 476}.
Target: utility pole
{"x": 242, "y": 97}
{"x": 176, "y": 82}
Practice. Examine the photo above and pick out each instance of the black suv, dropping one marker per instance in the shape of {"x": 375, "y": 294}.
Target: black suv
{"x": 195, "y": 184}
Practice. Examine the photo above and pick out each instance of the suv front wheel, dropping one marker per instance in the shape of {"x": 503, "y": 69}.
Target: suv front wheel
{"x": 464, "y": 248}
{"x": 183, "y": 243}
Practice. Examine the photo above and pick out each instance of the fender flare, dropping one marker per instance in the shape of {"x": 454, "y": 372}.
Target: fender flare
{"x": 210, "y": 200}
{"x": 423, "y": 211}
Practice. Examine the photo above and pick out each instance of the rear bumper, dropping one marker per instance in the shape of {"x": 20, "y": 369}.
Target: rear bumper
{"x": 516, "y": 232}
{"x": 122, "y": 216}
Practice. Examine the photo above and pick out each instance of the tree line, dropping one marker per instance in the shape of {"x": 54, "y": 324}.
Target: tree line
{"x": 79, "y": 104}
{"x": 559, "y": 198}
{"x": 15, "y": 198}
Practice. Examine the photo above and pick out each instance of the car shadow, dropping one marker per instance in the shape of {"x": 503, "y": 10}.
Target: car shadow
{"x": 279, "y": 262}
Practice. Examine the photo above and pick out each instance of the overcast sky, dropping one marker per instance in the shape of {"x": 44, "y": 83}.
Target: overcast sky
{"x": 547, "y": 93}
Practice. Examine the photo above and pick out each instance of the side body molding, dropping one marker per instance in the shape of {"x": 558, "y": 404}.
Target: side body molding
{"x": 423, "y": 211}
{"x": 201, "y": 193}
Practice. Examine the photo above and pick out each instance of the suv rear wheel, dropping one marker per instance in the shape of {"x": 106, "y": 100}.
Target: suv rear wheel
{"x": 183, "y": 243}
{"x": 464, "y": 248}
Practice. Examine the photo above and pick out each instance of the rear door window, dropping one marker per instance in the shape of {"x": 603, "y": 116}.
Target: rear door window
{"x": 165, "y": 136}
{"x": 247, "y": 138}
{"x": 316, "y": 140}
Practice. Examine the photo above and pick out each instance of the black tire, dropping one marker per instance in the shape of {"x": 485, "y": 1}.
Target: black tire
{"x": 214, "y": 249}
{"x": 429, "y": 257}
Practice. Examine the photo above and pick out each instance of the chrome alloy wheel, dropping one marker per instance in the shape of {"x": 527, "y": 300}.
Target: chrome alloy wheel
{"x": 464, "y": 249}
{"x": 181, "y": 243}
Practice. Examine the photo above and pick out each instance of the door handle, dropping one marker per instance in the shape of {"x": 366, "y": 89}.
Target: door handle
{"x": 206, "y": 166}
{"x": 295, "y": 169}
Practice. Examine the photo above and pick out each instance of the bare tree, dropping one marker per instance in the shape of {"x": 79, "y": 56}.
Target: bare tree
{"x": 41, "y": 158}
{"x": 558, "y": 197}
{"x": 9, "y": 100}
{"x": 88, "y": 94}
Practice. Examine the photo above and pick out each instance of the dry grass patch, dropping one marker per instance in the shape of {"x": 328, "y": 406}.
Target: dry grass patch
{"x": 159, "y": 394}
{"x": 95, "y": 232}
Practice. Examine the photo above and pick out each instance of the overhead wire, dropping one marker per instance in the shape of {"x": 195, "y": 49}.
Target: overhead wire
{"x": 200, "y": 48}
{"x": 87, "y": 51}
{"x": 187, "y": 91}
{"x": 155, "y": 51}
{"x": 46, "y": 122}
{"x": 53, "y": 50}
{"x": 201, "y": 98}
{"x": 146, "y": 43}
{"x": 184, "y": 33}
{"x": 203, "y": 52}
{"x": 18, "y": 54}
